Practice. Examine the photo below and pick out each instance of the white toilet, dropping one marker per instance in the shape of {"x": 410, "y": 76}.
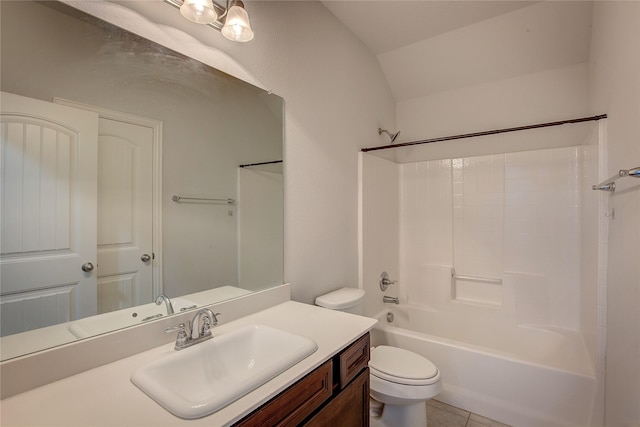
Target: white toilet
{"x": 401, "y": 381}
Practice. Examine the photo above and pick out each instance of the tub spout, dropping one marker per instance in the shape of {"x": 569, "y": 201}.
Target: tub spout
{"x": 393, "y": 300}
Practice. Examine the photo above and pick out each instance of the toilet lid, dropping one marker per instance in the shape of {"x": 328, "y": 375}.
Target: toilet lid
{"x": 341, "y": 298}
{"x": 401, "y": 364}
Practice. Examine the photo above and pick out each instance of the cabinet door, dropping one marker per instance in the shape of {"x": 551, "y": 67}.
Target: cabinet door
{"x": 296, "y": 403}
{"x": 350, "y": 408}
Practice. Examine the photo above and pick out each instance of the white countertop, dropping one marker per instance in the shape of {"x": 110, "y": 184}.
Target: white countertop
{"x": 105, "y": 396}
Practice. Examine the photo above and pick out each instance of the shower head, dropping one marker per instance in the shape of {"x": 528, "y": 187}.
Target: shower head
{"x": 393, "y": 136}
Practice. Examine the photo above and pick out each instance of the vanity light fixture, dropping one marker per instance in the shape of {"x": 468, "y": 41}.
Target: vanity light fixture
{"x": 232, "y": 21}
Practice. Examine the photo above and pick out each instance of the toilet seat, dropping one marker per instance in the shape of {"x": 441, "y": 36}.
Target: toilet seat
{"x": 402, "y": 366}
{"x": 400, "y": 377}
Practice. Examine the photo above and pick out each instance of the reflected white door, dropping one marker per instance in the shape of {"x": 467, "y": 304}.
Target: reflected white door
{"x": 48, "y": 213}
{"x": 125, "y": 220}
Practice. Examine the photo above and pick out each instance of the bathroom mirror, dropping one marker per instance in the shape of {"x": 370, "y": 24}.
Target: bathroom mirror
{"x": 187, "y": 193}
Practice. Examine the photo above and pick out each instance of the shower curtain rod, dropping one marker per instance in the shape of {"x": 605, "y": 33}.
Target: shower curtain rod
{"x": 485, "y": 133}
{"x": 260, "y": 164}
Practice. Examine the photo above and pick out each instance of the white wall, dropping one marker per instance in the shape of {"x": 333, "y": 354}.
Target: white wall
{"x": 529, "y": 99}
{"x": 615, "y": 89}
{"x": 379, "y": 233}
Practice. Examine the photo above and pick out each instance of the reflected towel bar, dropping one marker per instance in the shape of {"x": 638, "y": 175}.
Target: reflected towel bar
{"x": 201, "y": 199}
{"x": 477, "y": 279}
{"x": 610, "y": 184}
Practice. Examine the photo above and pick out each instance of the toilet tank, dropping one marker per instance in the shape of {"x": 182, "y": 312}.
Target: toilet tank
{"x": 348, "y": 300}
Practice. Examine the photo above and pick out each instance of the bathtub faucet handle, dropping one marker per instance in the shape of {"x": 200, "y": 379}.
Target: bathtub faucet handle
{"x": 385, "y": 281}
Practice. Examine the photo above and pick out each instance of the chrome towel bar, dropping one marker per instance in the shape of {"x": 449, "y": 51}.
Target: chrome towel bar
{"x": 610, "y": 184}
{"x": 201, "y": 199}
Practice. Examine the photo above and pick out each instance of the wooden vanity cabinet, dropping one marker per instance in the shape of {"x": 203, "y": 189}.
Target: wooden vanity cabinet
{"x": 350, "y": 408}
{"x": 334, "y": 394}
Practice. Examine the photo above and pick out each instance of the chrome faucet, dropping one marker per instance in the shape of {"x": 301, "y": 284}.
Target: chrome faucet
{"x": 202, "y": 328}
{"x": 195, "y": 331}
{"x": 167, "y": 302}
{"x": 393, "y": 300}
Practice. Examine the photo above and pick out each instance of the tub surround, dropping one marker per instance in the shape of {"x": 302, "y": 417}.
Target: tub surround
{"x": 105, "y": 396}
{"x": 520, "y": 219}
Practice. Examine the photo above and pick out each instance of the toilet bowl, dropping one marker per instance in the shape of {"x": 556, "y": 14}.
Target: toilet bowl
{"x": 401, "y": 381}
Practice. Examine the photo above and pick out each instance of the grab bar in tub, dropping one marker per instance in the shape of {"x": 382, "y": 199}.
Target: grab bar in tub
{"x": 610, "y": 184}
{"x": 477, "y": 279}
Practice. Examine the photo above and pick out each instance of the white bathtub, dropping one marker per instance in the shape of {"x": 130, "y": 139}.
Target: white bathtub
{"x": 522, "y": 376}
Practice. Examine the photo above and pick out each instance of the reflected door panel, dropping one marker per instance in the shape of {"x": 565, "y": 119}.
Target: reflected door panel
{"x": 48, "y": 210}
{"x": 125, "y": 181}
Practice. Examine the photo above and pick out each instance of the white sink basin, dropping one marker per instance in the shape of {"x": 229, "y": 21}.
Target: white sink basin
{"x": 202, "y": 379}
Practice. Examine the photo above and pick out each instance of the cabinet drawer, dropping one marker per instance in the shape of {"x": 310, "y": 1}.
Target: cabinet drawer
{"x": 350, "y": 408}
{"x": 354, "y": 359}
{"x": 296, "y": 403}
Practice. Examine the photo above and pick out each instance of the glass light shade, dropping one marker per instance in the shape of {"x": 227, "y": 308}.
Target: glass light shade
{"x": 237, "y": 27}
{"x": 199, "y": 11}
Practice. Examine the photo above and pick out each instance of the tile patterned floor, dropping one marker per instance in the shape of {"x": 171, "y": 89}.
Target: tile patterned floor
{"x": 442, "y": 415}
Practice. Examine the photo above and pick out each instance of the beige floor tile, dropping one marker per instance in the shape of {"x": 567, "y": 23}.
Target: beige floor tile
{"x": 476, "y": 420}
{"x": 438, "y": 416}
{"x": 448, "y": 408}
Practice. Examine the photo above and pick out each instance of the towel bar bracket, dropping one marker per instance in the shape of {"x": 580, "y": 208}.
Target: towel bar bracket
{"x": 610, "y": 184}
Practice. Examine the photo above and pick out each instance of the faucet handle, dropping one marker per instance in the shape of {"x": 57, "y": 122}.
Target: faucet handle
{"x": 208, "y": 322}
{"x": 182, "y": 338}
{"x": 385, "y": 281}
{"x": 180, "y": 327}
{"x": 214, "y": 321}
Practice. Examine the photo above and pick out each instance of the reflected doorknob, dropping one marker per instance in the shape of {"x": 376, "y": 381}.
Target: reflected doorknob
{"x": 87, "y": 267}
{"x": 145, "y": 258}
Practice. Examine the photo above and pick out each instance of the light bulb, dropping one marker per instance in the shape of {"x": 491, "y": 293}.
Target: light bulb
{"x": 199, "y": 11}
{"x": 236, "y": 26}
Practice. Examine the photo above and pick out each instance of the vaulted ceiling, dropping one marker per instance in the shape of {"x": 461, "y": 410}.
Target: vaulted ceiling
{"x": 429, "y": 46}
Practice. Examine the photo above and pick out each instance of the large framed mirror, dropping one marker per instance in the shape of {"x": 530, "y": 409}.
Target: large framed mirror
{"x": 129, "y": 172}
